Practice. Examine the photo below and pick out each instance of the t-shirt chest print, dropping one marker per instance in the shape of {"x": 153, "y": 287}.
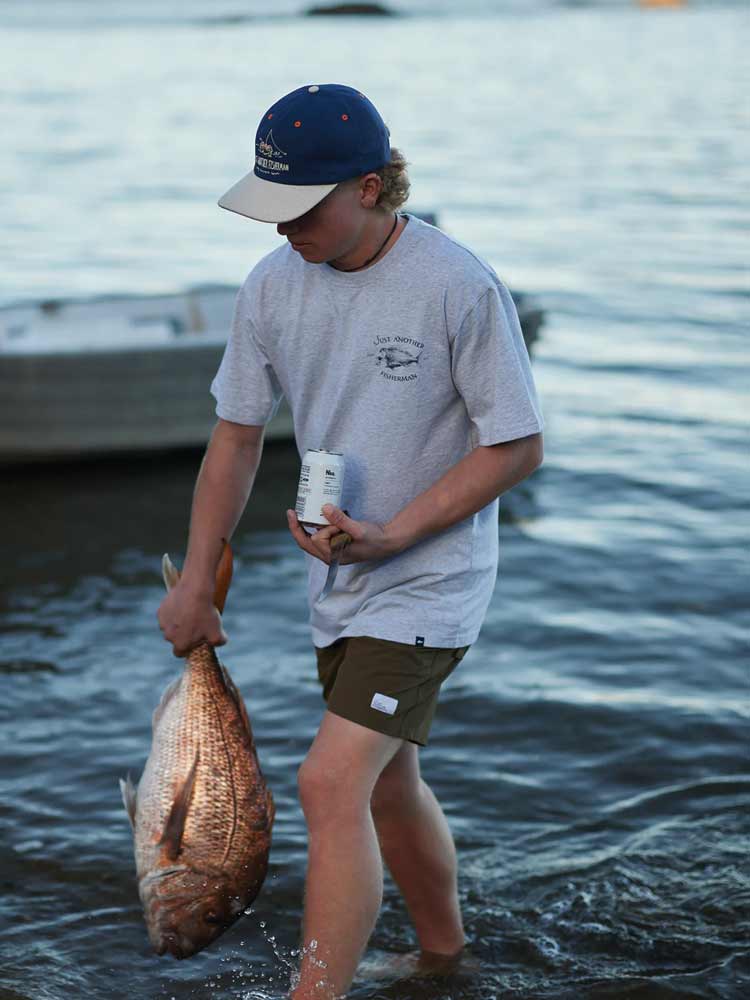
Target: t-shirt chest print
{"x": 397, "y": 358}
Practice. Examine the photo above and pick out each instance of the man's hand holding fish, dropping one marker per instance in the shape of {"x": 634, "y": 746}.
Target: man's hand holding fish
{"x": 187, "y": 616}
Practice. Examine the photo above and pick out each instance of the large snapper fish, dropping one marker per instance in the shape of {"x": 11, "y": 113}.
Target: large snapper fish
{"x": 202, "y": 813}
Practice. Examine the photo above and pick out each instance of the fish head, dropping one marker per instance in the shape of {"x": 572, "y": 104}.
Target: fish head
{"x": 186, "y": 910}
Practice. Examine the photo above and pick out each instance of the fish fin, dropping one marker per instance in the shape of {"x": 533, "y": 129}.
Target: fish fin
{"x": 223, "y": 576}
{"x": 238, "y": 699}
{"x": 171, "y": 574}
{"x": 169, "y": 692}
{"x": 129, "y": 798}
{"x": 174, "y": 827}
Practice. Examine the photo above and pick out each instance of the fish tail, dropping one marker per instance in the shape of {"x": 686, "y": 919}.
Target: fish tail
{"x": 171, "y": 574}
{"x": 223, "y": 576}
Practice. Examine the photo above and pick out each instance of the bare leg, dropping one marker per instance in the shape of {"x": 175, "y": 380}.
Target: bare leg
{"x": 418, "y": 848}
{"x": 344, "y": 885}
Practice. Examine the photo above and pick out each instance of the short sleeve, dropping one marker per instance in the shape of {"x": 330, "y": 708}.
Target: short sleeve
{"x": 491, "y": 371}
{"x": 246, "y": 388}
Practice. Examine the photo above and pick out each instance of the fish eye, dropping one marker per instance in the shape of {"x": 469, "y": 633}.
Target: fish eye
{"x": 211, "y": 918}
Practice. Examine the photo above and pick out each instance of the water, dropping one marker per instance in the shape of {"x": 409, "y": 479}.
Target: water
{"x": 592, "y": 751}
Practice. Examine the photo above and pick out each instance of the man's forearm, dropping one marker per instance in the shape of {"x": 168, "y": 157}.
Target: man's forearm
{"x": 221, "y": 492}
{"x": 469, "y": 485}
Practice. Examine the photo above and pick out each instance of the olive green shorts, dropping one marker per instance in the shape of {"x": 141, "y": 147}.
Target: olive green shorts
{"x": 391, "y": 687}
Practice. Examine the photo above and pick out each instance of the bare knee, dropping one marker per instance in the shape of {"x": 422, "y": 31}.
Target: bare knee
{"x": 328, "y": 794}
{"x": 337, "y": 776}
{"x": 316, "y": 785}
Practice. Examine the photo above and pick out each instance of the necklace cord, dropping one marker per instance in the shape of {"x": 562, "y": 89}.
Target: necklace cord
{"x": 346, "y": 270}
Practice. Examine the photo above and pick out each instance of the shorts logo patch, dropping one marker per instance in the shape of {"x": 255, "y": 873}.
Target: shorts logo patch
{"x": 383, "y": 703}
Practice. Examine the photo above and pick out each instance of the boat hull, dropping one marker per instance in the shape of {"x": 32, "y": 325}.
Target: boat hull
{"x": 123, "y": 374}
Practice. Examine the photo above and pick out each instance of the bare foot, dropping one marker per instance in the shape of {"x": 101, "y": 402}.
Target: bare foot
{"x": 417, "y": 965}
{"x": 432, "y": 963}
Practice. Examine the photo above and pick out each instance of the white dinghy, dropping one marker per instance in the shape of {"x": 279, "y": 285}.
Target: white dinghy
{"x": 123, "y": 374}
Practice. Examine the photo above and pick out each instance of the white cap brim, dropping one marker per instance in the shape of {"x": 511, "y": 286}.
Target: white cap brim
{"x": 267, "y": 201}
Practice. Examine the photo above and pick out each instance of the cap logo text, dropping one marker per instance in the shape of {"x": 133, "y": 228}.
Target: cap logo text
{"x": 269, "y": 155}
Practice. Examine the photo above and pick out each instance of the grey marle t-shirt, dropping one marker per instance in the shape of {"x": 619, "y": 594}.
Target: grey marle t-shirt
{"x": 404, "y": 368}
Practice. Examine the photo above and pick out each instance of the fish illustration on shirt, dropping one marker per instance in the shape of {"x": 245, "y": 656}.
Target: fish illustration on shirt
{"x": 396, "y": 357}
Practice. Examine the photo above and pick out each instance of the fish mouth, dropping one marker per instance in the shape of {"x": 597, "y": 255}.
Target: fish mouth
{"x": 170, "y": 943}
{"x": 182, "y": 934}
{"x": 176, "y": 944}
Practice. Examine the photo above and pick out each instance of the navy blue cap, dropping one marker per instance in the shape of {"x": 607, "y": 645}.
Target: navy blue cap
{"x": 307, "y": 143}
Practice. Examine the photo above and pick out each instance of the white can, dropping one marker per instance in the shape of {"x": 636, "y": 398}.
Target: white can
{"x": 321, "y": 480}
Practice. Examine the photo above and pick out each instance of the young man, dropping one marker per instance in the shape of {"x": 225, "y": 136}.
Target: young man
{"x": 400, "y": 349}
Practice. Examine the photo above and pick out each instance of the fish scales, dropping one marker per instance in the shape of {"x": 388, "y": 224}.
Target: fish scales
{"x": 202, "y": 814}
{"x": 200, "y": 721}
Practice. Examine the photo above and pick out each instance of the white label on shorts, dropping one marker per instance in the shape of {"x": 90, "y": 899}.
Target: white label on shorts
{"x": 384, "y": 704}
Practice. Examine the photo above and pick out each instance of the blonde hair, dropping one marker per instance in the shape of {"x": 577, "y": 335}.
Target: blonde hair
{"x": 395, "y": 178}
{"x": 395, "y": 182}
